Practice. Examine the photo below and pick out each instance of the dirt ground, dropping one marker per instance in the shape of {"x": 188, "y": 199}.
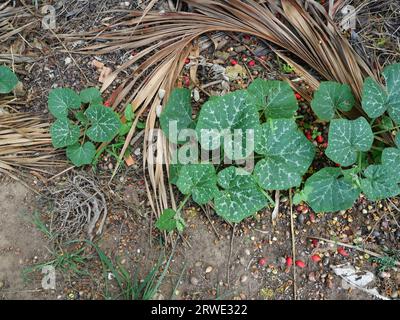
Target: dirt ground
{"x": 215, "y": 260}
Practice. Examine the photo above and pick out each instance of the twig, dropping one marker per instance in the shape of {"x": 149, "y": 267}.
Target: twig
{"x": 293, "y": 245}
{"x": 230, "y": 255}
{"x": 274, "y": 214}
{"x": 61, "y": 173}
{"x": 371, "y": 253}
{"x": 209, "y": 220}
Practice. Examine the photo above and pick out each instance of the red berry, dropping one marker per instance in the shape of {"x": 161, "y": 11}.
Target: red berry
{"x": 325, "y": 145}
{"x": 251, "y": 63}
{"x": 107, "y": 103}
{"x": 308, "y": 135}
{"x": 337, "y": 164}
{"x": 246, "y": 37}
{"x": 262, "y": 262}
{"x": 300, "y": 264}
{"x": 342, "y": 252}
{"x": 289, "y": 262}
{"x": 320, "y": 139}
{"x": 316, "y": 258}
{"x": 187, "y": 61}
{"x": 298, "y": 96}
{"x": 233, "y": 62}
{"x": 186, "y": 81}
{"x": 299, "y": 208}
{"x": 314, "y": 243}
{"x": 312, "y": 217}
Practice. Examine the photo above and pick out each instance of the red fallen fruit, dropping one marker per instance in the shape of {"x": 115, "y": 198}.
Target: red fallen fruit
{"x": 107, "y": 103}
{"x": 320, "y": 139}
{"x": 262, "y": 262}
{"x": 187, "y": 61}
{"x": 251, "y": 63}
{"x": 233, "y": 62}
{"x": 316, "y": 258}
{"x": 337, "y": 164}
{"x": 342, "y": 252}
{"x": 298, "y": 96}
{"x": 312, "y": 217}
{"x": 314, "y": 243}
{"x": 289, "y": 262}
{"x": 186, "y": 81}
{"x": 308, "y": 136}
{"x": 299, "y": 208}
{"x": 325, "y": 145}
{"x": 300, "y": 264}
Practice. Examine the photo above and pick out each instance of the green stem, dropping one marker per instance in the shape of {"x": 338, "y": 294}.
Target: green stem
{"x": 386, "y": 130}
{"x": 267, "y": 196}
{"x": 182, "y": 204}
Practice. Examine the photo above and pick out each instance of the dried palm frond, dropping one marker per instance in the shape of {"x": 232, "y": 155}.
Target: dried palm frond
{"x": 303, "y": 30}
{"x": 25, "y": 143}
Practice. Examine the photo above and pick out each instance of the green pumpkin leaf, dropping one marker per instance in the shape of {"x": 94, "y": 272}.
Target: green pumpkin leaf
{"x": 125, "y": 128}
{"x": 276, "y": 98}
{"x": 64, "y": 133}
{"x": 391, "y": 160}
{"x": 81, "y": 154}
{"x": 332, "y": 96}
{"x": 80, "y": 115}
{"x": 348, "y": 137}
{"x": 379, "y": 183}
{"x": 241, "y": 196}
{"x": 328, "y": 190}
{"x": 8, "y": 80}
{"x": 386, "y": 123}
{"x": 91, "y": 95}
{"x": 169, "y": 221}
{"x": 232, "y": 122}
{"x": 177, "y": 113}
{"x": 105, "y": 123}
{"x": 392, "y": 78}
{"x": 288, "y": 155}
{"x": 174, "y": 170}
{"x": 61, "y": 100}
{"x": 199, "y": 180}
{"x": 376, "y": 99}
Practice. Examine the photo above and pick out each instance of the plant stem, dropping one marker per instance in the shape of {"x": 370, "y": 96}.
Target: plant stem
{"x": 386, "y": 130}
{"x": 267, "y": 196}
{"x": 182, "y": 203}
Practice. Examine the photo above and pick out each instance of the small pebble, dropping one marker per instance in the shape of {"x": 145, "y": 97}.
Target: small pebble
{"x": 384, "y": 275}
{"x": 194, "y": 281}
{"x": 243, "y": 278}
{"x": 209, "y": 269}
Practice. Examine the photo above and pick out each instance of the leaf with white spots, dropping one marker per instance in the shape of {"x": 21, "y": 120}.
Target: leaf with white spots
{"x": 105, "y": 123}
{"x": 275, "y": 98}
{"x": 288, "y": 155}
{"x": 229, "y": 119}
{"x": 347, "y": 138}
{"x": 391, "y": 159}
{"x": 379, "y": 183}
{"x": 91, "y": 95}
{"x": 241, "y": 196}
{"x": 328, "y": 190}
{"x": 332, "y": 96}
{"x": 64, "y": 133}
{"x": 61, "y": 100}
{"x": 177, "y": 114}
{"x": 376, "y": 99}
{"x": 199, "y": 180}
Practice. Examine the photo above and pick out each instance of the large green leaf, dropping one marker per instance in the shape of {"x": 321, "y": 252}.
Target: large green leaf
{"x": 328, "y": 190}
{"x": 199, "y": 180}
{"x": 391, "y": 159}
{"x": 288, "y": 155}
{"x": 347, "y": 138}
{"x": 91, "y": 95}
{"x": 331, "y": 96}
{"x": 376, "y": 100}
{"x": 379, "y": 183}
{"x": 105, "y": 123}
{"x": 61, "y": 100}
{"x": 231, "y": 120}
{"x": 241, "y": 197}
{"x": 8, "y": 80}
{"x": 177, "y": 114}
{"x": 276, "y": 98}
{"x": 81, "y": 154}
{"x": 64, "y": 133}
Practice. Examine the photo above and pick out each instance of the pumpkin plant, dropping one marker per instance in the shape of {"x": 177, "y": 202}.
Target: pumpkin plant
{"x": 282, "y": 153}
{"x": 81, "y": 121}
{"x": 8, "y": 80}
